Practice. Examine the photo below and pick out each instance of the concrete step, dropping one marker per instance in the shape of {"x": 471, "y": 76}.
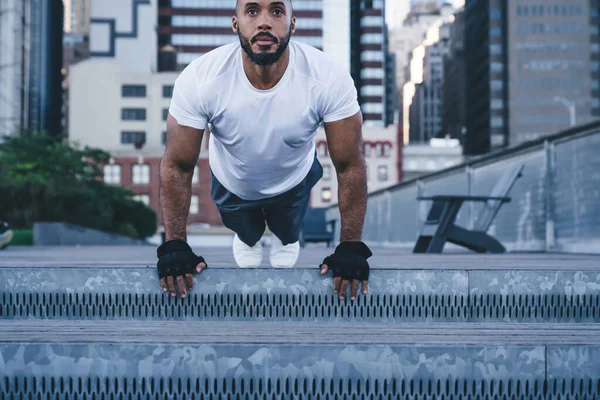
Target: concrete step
{"x": 111, "y": 292}
{"x": 291, "y": 359}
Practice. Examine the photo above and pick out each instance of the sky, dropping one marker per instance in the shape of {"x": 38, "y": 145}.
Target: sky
{"x": 397, "y": 9}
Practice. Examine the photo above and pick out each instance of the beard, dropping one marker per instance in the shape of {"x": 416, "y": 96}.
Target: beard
{"x": 265, "y": 59}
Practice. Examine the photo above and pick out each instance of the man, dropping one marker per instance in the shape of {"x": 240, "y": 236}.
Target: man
{"x": 264, "y": 99}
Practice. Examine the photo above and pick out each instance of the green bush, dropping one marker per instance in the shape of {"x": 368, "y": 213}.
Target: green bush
{"x": 49, "y": 180}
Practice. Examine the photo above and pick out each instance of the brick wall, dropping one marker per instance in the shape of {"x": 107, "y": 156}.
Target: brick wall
{"x": 207, "y": 211}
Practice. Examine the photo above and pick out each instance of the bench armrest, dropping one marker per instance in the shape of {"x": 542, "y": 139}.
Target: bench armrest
{"x": 464, "y": 198}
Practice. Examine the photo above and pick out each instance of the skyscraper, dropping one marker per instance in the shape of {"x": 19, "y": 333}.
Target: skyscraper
{"x": 532, "y": 70}
{"x": 370, "y": 60}
{"x": 30, "y": 66}
{"x": 453, "y": 123}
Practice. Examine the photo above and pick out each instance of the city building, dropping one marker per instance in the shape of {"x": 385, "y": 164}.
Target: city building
{"x": 454, "y": 124}
{"x": 195, "y": 27}
{"x": 551, "y": 81}
{"x": 127, "y": 114}
{"x": 427, "y": 109}
{"x": 370, "y": 61}
{"x": 383, "y": 156}
{"x": 423, "y": 92}
{"x": 30, "y": 66}
{"x": 77, "y": 16}
{"x": 411, "y": 36}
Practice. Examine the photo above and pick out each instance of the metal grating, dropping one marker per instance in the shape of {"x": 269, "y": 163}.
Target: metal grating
{"x": 260, "y": 388}
{"x": 373, "y": 307}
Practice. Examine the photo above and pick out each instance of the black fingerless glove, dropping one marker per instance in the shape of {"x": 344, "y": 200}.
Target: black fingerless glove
{"x": 176, "y": 258}
{"x": 349, "y": 261}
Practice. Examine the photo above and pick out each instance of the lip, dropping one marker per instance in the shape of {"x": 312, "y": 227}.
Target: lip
{"x": 264, "y": 41}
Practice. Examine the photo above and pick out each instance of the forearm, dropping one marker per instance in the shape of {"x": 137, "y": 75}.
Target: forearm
{"x": 352, "y": 200}
{"x": 175, "y": 196}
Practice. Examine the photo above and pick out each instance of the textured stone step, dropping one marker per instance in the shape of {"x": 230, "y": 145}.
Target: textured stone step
{"x": 109, "y": 292}
{"x": 266, "y": 359}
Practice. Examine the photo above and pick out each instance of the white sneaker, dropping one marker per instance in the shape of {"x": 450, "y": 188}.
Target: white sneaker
{"x": 283, "y": 256}
{"x": 5, "y": 238}
{"x": 246, "y": 256}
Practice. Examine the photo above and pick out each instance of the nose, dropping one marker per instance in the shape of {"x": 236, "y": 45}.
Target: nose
{"x": 264, "y": 22}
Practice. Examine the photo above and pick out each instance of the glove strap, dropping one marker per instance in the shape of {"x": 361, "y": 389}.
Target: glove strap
{"x": 172, "y": 245}
{"x": 358, "y": 248}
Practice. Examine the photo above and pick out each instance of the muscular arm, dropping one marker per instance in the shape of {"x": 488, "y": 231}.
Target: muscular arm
{"x": 344, "y": 139}
{"x": 176, "y": 171}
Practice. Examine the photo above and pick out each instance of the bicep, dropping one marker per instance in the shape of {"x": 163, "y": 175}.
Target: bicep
{"x": 344, "y": 140}
{"x": 183, "y": 144}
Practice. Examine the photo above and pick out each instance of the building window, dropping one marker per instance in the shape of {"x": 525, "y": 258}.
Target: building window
{"x": 133, "y": 137}
{"x": 325, "y": 195}
{"x": 167, "y": 91}
{"x": 387, "y": 149}
{"x": 367, "y": 150}
{"x": 133, "y": 91}
{"x": 196, "y": 176}
{"x": 496, "y": 49}
{"x": 496, "y": 67}
{"x": 141, "y": 174}
{"x": 496, "y": 85}
{"x": 133, "y": 114}
{"x": 194, "y": 205}
{"x": 382, "y": 173}
{"x": 496, "y": 104}
{"x": 326, "y": 172}
{"x": 165, "y": 114}
{"x": 164, "y": 137}
{"x": 379, "y": 149}
{"x": 142, "y": 198}
{"x": 112, "y": 174}
{"x": 497, "y": 122}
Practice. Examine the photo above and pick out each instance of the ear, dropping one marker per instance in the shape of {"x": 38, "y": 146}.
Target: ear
{"x": 293, "y": 24}
{"x": 234, "y": 24}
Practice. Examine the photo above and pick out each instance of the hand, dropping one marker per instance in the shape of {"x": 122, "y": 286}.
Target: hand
{"x": 349, "y": 263}
{"x": 176, "y": 260}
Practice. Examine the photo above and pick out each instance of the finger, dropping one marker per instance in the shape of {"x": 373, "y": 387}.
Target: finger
{"x": 324, "y": 269}
{"x": 365, "y": 286}
{"x": 200, "y": 267}
{"x": 171, "y": 286}
{"x": 343, "y": 289}
{"x": 190, "y": 281}
{"x": 336, "y": 284}
{"x": 181, "y": 285}
{"x": 163, "y": 284}
{"x": 354, "y": 290}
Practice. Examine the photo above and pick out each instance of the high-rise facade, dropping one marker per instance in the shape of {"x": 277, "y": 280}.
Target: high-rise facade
{"x": 195, "y": 27}
{"x": 427, "y": 111}
{"x": 30, "y": 66}
{"x": 453, "y": 121}
{"x": 419, "y": 30}
{"x": 551, "y": 49}
{"x": 370, "y": 60}
{"x": 532, "y": 70}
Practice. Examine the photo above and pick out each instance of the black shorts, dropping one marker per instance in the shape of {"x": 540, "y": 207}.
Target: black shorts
{"x": 283, "y": 214}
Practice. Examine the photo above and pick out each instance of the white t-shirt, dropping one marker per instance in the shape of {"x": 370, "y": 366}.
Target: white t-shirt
{"x": 262, "y": 141}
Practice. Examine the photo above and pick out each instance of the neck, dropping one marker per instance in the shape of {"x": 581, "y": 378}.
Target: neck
{"x": 264, "y": 78}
